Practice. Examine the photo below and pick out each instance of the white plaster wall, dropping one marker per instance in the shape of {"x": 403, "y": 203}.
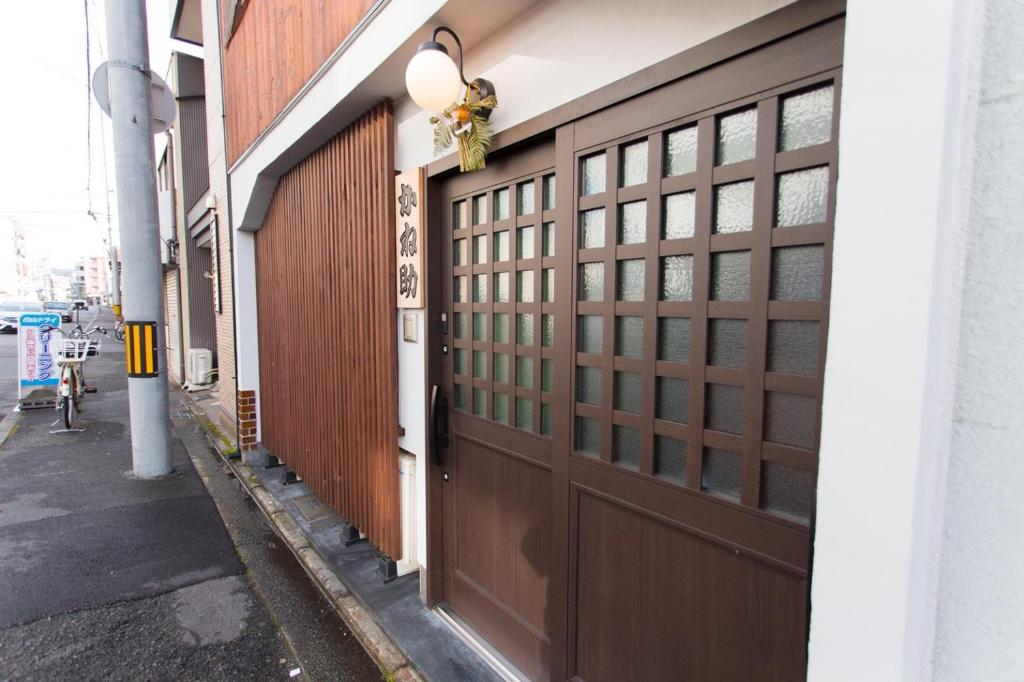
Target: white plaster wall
{"x": 979, "y": 631}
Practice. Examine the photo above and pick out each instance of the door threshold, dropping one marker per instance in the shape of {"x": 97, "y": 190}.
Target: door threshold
{"x": 498, "y": 663}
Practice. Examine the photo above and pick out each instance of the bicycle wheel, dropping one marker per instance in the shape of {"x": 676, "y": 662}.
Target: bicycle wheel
{"x": 68, "y": 411}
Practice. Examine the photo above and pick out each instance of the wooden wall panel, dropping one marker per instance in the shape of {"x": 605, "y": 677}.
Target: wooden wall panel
{"x": 325, "y": 272}
{"x": 276, "y": 48}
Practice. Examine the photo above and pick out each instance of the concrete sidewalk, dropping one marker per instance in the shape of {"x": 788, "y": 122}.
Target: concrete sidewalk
{"x": 107, "y": 577}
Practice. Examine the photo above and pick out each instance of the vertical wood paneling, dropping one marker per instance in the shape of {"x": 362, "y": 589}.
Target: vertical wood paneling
{"x": 327, "y": 334}
{"x": 275, "y": 49}
{"x": 195, "y": 170}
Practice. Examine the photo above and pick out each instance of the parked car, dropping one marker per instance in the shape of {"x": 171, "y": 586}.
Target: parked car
{"x": 10, "y": 312}
{"x": 60, "y": 307}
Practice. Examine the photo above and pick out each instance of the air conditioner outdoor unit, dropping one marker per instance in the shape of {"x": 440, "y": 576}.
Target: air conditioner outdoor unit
{"x": 200, "y": 366}
{"x": 407, "y": 490}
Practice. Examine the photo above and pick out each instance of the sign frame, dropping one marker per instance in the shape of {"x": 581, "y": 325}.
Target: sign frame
{"x": 38, "y": 372}
{"x": 410, "y": 238}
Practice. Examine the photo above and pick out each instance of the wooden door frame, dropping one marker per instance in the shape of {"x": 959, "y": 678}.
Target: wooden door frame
{"x": 785, "y": 22}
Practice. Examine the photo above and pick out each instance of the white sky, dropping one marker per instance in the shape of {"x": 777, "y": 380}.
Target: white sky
{"x": 44, "y": 163}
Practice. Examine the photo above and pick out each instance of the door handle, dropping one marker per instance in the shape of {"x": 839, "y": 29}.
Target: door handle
{"x": 438, "y": 423}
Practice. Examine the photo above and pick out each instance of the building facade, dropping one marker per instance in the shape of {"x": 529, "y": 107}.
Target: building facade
{"x": 688, "y": 369}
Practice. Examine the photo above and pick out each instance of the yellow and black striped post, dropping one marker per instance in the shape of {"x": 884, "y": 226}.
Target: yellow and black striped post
{"x": 140, "y": 349}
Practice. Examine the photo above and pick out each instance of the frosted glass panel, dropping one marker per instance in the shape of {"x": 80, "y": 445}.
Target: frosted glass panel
{"x": 633, "y": 162}
{"x": 737, "y": 136}
{"x": 727, "y": 343}
{"x": 549, "y": 192}
{"x": 460, "y": 289}
{"x": 678, "y": 216}
{"x": 547, "y": 285}
{"x": 459, "y": 361}
{"x": 681, "y": 151}
{"x": 802, "y": 197}
{"x": 524, "y": 198}
{"x": 592, "y": 229}
{"x": 501, "y": 408}
{"x": 798, "y": 273}
{"x": 480, "y": 248}
{"x": 730, "y": 276}
{"x": 786, "y": 491}
{"x": 549, "y": 240}
{"x": 501, "y": 287}
{"x": 626, "y": 446}
{"x": 673, "y": 399}
{"x": 734, "y": 207}
{"x": 588, "y": 436}
{"x": 480, "y": 209}
{"x": 524, "y": 371}
{"x": 674, "y": 339}
{"x": 501, "y": 328}
{"x": 479, "y": 326}
{"x": 501, "y": 368}
{"x": 524, "y": 414}
{"x": 793, "y": 347}
{"x": 524, "y": 286}
{"x": 588, "y": 385}
{"x": 479, "y": 288}
{"x": 459, "y": 396}
{"x": 459, "y": 215}
{"x": 721, "y": 473}
{"x": 547, "y": 375}
{"x": 677, "y": 278}
{"x": 593, "y": 174}
{"x": 629, "y": 336}
{"x": 589, "y": 333}
{"x": 591, "y": 284}
{"x": 629, "y": 285}
{"x": 459, "y": 324}
{"x": 501, "y": 252}
{"x": 545, "y": 419}
{"x": 806, "y": 119}
{"x": 501, "y": 204}
{"x": 547, "y": 330}
{"x": 627, "y": 392}
{"x": 459, "y": 252}
{"x": 723, "y": 408}
{"x": 524, "y": 243}
{"x": 789, "y": 419}
{"x": 479, "y": 364}
{"x": 670, "y": 459}
{"x": 524, "y": 329}
{"x": 480, "y": 402}
{"x": 633, "y": 222}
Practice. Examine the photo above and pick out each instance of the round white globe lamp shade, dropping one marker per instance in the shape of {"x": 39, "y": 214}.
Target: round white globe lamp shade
{"x": 432, "y": 79}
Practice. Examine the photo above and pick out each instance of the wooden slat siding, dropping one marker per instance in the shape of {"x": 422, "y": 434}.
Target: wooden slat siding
{"x": 195, "y": 169}
{"x": 276, "y": 48}
{"x": 325, "y": 265}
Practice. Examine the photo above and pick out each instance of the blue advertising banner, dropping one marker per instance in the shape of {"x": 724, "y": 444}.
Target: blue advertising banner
{"x": 37, "y": 365}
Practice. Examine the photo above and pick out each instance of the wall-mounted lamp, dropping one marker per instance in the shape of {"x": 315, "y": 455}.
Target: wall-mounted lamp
{"x": 434, "y": 81}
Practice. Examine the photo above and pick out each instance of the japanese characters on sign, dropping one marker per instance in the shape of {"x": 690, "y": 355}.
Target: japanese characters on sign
{"x": 38, "y": 374}
{"x": 409, "y": 233}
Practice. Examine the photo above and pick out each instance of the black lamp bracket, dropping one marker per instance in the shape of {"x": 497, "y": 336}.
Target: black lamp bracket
{"x": 433, "y": 39}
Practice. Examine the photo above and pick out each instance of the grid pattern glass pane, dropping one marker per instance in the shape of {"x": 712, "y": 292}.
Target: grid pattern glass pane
{"x": 501, "y": 252}
{"x": 737, "y": 136}
{"x": 591, "y": 284}
{"x": 545, "y": 419}
{"x": 633, "y": 164}
{"x": 549, "y": 192}
{"x": 626, "y": 446}
{"x": 588, "y": 385}
{"x": 592, "y": 229}
{"x": 479, "y": 326}
{"x": 786, "y": 491}
{"x": 479, "y": 364}
{"x": 501, "y": 368}
{"x": 593, "y": 174}
{"x": 458, "y": 214}
{"x": 806, "y": 119}
{"x": 524, "y": 414}
{"x": 480, "y": 209}
{"x": 549, "y": 240}
{"x": 789, "y": 419}
{"x": 720, "y": 473}
{"x": 547, "y": 375}
{"x": 524, "y": 371}
{"x": 501, "y": 204}
{"x": 734, "y": 207}
{"x": 501, "y": 408}
{"x": 674, "y": 339}
{"x": 681, "y": 151}
{"x": 459, "y": 323}
{"x": 670, "y": 459}
{"x": 459, "y": 361}
{"x": 459, "y": 253}
{"x": 730, "y": 276}
{"x": 524, "y": 286}
{"x": 460, "y": 289}
{"x": 547, "y": 285}
{"x": 524, "y": 198}
{"x": 480, "y": 402}
{"x": 629, "y": 285}
{"x": 524, "y": 329}
{"x": 798, "y": 273}
{"x": 589, "y": 333}
{"x": 727, "y": 343}
{"x": 501, "y": 287}
{"x": 673, "y": 399}
{"x": 793, "y": 346}
{"x": 802, "y": 197}
{"x": 677, "y": 278}
{"x": 480, "y": 288}
{"x": 723, "y": 408}
{"x": 547, "y": 330}
{"x": 678, "y": 215}
{"x": 501, "y": 328}
{"x": 627, "y": 392}
{"x": 629, "y": 336}
{"x": 524, "y": 243}
{"x": 588, "y": 436}
{"x": 633, "y": 222}
{"x": 459, "y": 397}
{"x": 480, "y": 249}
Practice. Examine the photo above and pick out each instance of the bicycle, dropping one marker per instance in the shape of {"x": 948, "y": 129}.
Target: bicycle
{"x": 119, "y": 331}
{"x": 71, "y": 351}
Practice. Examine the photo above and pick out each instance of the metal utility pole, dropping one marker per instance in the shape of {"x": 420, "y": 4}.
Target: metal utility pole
{"x": 129, "y": 87}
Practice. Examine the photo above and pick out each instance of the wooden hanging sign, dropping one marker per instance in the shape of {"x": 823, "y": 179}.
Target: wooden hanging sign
{"x": 409, "y": 231}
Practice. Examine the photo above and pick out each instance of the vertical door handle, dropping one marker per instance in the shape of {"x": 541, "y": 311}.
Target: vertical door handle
{"x": 438, "y": 423}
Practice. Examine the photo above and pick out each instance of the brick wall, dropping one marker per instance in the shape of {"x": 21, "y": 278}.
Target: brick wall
{"x": 247, "y": 421}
